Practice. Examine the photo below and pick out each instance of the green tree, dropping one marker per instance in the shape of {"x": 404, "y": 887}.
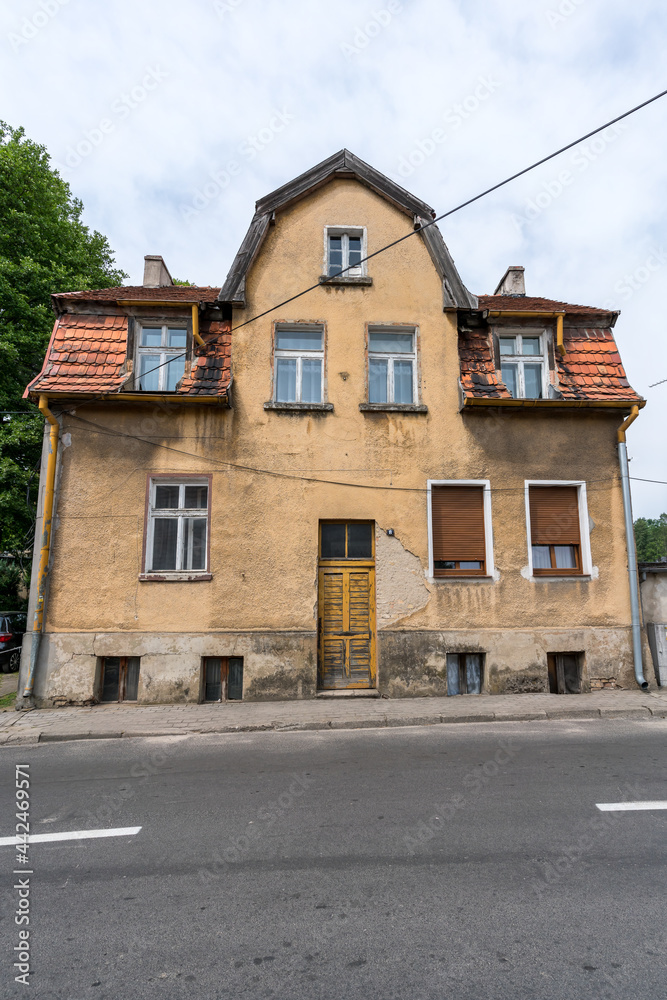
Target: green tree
{"x": 44, "y": 248}
{"x": 651, "y": 538}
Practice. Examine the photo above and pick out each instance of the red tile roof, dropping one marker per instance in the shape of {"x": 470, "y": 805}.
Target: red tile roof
{"x": 165, "y": 293}
{"x": 88, "y": 353}
{"x": 591, "y": 368}
{"x": 524, "y": 303}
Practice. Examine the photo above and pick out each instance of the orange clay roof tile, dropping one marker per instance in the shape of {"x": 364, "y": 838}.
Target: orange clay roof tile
{"x": 88, "y": 353}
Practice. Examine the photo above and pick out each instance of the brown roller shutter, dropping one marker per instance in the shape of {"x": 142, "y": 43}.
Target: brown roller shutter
{"x": 457, "y": 515}
{"x": 554, "y": 515}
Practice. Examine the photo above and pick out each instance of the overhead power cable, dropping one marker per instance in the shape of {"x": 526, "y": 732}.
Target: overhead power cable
{"x": 401, "y": 239}
{"x": 280, "y": 474}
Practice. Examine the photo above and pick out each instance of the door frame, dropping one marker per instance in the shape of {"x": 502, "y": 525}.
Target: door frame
{"x": 347, "y": 564}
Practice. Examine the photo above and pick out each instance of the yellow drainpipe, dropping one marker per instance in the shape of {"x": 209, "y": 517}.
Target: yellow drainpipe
{"x": 195, "y": 325}
{"x": 195, "y": 313}
{"x": 620, "y": 433}
{"x": 536, "y": 314}
{"x": 47, "y": 518}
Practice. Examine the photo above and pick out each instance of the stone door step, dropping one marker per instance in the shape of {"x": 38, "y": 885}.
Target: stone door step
{"x": 350, "y": 693}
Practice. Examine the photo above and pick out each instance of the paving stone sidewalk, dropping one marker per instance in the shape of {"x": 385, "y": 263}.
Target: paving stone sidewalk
{"x": 114, "y": 721}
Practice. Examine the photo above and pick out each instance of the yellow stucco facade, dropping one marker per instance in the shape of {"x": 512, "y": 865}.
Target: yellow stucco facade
{"x": 276, "y": 474}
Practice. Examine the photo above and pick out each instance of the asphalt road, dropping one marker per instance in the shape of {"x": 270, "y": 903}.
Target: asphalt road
{"x": 439, "y": 862}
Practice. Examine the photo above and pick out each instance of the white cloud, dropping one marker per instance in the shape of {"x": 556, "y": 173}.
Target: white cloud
{"x": 227, "y": 70}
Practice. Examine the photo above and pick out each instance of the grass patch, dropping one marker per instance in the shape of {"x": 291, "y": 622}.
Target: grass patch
{"x": 8, "y": 700}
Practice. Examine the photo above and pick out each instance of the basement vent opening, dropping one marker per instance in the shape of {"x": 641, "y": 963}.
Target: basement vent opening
{"x": 464, "y": 673}
{"x": 120, "y": 678}
{"x": 565, "y": 672}
{"x": 222, "y": 678}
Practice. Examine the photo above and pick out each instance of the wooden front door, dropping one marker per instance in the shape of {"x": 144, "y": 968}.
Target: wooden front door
{"x": 346, "y": 632}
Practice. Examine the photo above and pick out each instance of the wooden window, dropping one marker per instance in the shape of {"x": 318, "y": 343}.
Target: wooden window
{"x": 345, "y": 250}
{"x": 555, "y": 533}
{"x": 464, "y": 673}
{"x": 392, "y": 366}
{"x": 120, "y": 678}
{"x": 523, "y": 364}
{"x": 222, "y": 678}
{"x": 564, "y": 672}
{"x": 160, "y": 357}
{"x": 177, "y": 529}
{"x": 299, "y": 364}
{"x": 347, "y": 540}
{"x": 458, "y": 530}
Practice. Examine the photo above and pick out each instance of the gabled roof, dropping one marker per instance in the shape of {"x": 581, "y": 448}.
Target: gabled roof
{"x": 346, "y": 165}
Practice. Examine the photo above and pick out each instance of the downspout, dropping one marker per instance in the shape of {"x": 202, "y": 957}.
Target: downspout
{"x": 632, "y": 551}
{"x": 47, "y": 518}
{"x": 195, "y": 326}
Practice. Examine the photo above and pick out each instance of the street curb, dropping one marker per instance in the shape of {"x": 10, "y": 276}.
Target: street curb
{"x": 14, "y": 737}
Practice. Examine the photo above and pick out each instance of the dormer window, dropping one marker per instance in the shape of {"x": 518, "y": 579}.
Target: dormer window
{"x": 345, "y": 250}
{"x": 523, "y": 364}
{"x": 160, "y": 358}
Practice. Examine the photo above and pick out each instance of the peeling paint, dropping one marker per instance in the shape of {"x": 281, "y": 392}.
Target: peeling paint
{"x": 399, "y": 580}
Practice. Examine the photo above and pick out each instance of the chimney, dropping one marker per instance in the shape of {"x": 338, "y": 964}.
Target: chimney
{"x": 512, "y": 282}
{"x": 156, "y": 273}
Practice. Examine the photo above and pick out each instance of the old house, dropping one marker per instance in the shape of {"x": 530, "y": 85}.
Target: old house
{"x": 387, "y": 484}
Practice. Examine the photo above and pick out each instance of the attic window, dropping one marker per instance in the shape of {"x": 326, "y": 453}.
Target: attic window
{"x": 161, "y": 357}
{"x": 523, "y": 364}
{"x": 345, "y": 250}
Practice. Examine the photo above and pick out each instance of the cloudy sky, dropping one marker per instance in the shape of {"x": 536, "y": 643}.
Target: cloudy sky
{"x": 144, "y": 107}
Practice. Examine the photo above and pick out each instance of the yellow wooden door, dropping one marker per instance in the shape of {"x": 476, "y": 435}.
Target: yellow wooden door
{"x": 346, "y": 627}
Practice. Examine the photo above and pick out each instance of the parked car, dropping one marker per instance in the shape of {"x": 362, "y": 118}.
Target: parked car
{"x": 12, "y": 629}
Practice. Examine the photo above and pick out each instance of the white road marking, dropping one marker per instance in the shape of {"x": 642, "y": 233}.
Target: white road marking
{"x": 607, "y": 807}
{"x": 42, "y": 838}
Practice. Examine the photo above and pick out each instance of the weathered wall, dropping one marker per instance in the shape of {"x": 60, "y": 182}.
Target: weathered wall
{"x": 654, "y": 596}
{"x": 413, "y": 664}
{"x": 265, "y": 526}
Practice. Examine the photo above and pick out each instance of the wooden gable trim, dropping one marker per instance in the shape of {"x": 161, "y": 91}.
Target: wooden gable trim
{"x": 346, "y": 165}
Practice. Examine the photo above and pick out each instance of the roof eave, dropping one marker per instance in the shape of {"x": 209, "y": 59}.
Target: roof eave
{"x": 550, "y": 404}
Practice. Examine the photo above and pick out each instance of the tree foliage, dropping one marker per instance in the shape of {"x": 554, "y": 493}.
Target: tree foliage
{"x": 651, "y": 538}
{"x": 44, "y": 248}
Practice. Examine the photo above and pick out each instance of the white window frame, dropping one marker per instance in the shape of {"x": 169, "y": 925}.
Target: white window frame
{"x": 346, "y": 231}
{"x": 490, "y": 568}
{"x": 180, "y": 513}
{"x": 159, "y": 353}
{"x": 584, "y": 528}
{"x": 388, "y": 356}
{"x": 300, "y": 355}
{"x": 521, "y": 359}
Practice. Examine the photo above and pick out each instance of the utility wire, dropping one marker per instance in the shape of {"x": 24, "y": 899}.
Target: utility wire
{"x": 401, "y": 239}
{"x": 97, "y": 428}
{"x": 662, "y": 380}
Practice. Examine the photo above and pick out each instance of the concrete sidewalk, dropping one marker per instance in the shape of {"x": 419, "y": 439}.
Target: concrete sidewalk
{"x": 114, "y": 721}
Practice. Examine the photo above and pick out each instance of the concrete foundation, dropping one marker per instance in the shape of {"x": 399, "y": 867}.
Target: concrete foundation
{"x": 283, "y": 665}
